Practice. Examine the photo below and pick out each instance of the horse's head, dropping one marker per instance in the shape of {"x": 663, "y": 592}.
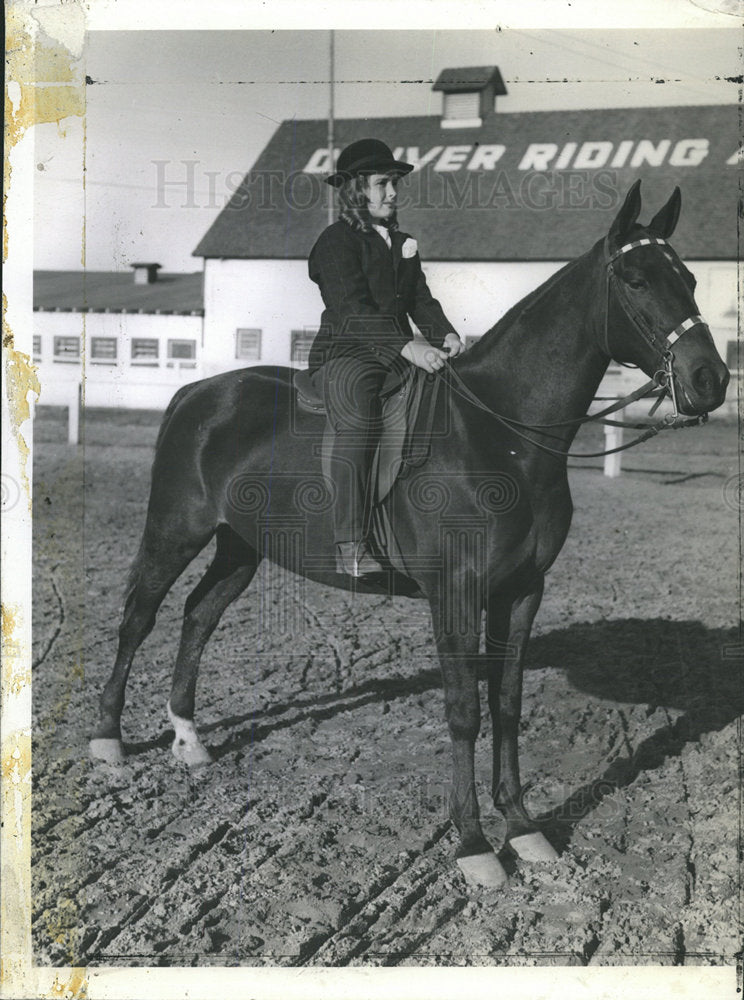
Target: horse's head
{"x": 651, "y": 318}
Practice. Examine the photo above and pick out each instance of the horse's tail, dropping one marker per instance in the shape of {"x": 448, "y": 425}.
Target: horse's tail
{"x": 133, "y": 577}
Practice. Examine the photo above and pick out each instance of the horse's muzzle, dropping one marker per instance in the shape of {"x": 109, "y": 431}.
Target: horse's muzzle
{"x": 704, "y": 390}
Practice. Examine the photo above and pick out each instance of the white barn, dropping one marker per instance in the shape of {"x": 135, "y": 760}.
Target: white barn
{"x": 497, "y": 202}
{"x": 130, "y": 339}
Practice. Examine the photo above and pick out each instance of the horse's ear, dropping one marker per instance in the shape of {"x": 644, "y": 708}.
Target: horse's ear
{"x": 664, "y": 222}
{"x": 627, "y": 215}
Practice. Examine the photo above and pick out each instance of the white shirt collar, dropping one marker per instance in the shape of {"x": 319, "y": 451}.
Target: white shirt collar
{"x": 384, "y": 232}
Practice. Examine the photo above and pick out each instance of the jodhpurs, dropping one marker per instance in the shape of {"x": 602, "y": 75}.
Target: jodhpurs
{"x": 351, "y": 391}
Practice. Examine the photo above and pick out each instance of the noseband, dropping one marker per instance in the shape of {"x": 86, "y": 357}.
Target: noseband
{"x": 664, "y": 376}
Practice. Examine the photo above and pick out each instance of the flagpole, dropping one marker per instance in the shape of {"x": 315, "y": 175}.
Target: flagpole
{"x": 331, "y": 160}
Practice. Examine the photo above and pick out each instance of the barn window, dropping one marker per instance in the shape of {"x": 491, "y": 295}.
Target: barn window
{"x": 145, "y": 351}
{"x": 248, "y": 343}
{"x": 37, "y": 347}
{"x": 181, "y": 354}
{"x": 732, "y": 355}
{"x": 67, "y": 348}
{"x": 301, "y": 343}
{"x": 181, "y": 350}
{"x": 103, "y": 350}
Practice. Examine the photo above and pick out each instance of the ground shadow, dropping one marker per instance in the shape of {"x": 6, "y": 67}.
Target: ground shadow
{"x": 683, "y": 666}
{"x": 654, "y": 662}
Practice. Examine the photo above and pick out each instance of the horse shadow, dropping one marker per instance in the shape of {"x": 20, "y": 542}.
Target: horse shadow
{"x": 680, "y": 665}
{"x": 674, "y": 665}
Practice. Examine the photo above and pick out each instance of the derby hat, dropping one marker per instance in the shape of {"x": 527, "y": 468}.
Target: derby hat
{"x": 366, "y": 156}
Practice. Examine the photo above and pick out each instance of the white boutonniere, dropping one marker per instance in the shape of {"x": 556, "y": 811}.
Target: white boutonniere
{"x": 409, "y": 248}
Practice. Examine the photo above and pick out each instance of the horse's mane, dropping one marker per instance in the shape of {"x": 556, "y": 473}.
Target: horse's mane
{"x": 525, "y": 305}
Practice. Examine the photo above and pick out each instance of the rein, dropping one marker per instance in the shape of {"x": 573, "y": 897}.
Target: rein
{"x": 660, "y": 385}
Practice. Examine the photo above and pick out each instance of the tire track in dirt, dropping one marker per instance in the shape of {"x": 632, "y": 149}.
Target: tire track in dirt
{"x": 215, "y": 829}
{"x": 358, "y": 919}
{"x": 177, "y": 869}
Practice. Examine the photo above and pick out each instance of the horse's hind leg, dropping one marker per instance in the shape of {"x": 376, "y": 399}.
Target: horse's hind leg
{"x": 231, "y": 571}
{"x": 161, "y": 559}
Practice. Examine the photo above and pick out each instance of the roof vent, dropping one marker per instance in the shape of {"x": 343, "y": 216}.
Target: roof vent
{"x": 145, "y": 274}
{"x": 469, "y": 95}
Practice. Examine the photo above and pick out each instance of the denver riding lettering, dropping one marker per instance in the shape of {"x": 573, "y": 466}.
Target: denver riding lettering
{"x": 549, "y": 155}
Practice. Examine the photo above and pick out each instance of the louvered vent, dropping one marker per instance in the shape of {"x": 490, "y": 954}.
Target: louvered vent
{"x": 465, "y": 105}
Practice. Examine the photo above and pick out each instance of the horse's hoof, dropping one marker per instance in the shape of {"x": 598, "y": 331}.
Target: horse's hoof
{"x": 533, "y": 847}
{"x": 187, "y": 747}
{"x": 110, "y": 751}
{"x": 484, "y": 870}
{"x": 193, "y": 754}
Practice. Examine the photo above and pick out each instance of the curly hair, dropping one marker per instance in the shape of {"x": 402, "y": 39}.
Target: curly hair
{"x": 353, "y": 201}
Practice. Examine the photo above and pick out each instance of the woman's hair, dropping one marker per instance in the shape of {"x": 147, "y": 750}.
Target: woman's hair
{"x": 352, "y": 197}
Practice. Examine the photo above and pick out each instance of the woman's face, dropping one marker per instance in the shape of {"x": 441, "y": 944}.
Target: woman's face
{"x": 381, "y": 190}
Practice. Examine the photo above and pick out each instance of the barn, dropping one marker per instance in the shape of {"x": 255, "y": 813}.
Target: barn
{"x": 498, "y": 202}
{"x": 130, "y": 338}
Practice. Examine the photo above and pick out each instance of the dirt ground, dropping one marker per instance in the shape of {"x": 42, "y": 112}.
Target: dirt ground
{"x": 320, "y": 835}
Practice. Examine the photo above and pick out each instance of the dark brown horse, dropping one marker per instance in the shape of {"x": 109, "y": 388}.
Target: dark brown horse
{"x": 478, "y": 525}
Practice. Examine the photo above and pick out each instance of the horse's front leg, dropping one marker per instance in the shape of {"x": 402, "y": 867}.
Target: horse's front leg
{"x": 458, "y": 653}
{"x": 507, "y": 635}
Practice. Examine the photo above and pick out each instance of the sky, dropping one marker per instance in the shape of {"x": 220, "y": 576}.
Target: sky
{"x": 214, "y": 99}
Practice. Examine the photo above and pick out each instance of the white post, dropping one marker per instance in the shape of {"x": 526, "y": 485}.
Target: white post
{"x": 613, "y": 439}
{"x": 73, "y": 414}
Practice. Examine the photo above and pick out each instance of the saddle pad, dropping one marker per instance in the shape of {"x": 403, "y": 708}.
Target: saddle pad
{"x": 310, "y": 393}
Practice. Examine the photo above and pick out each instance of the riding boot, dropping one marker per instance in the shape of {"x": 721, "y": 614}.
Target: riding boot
{"x": 355, "y": 559}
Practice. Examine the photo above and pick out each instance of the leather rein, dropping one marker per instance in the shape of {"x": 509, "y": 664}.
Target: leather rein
{"x": 661, "y": 385}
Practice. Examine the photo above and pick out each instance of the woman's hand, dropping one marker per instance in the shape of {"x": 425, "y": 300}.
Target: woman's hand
{"x": 452, "y": 345}
{"x": 423, "y": 355}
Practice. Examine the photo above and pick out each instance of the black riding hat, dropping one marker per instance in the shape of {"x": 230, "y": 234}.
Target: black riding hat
{"x": 366, "y": 156}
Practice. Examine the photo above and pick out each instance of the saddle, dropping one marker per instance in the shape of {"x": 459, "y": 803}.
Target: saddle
{"x": 406, "y": 431}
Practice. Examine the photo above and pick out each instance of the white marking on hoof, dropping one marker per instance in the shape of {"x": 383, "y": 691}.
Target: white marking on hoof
{"x": 533, "y": 847}
{"x": 483, "y": 870}
{"x": 187, "y": 747}
{"x": 112, "y": 751}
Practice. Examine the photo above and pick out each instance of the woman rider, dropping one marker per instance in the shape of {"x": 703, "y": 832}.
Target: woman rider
{"x": 370, "y": 278}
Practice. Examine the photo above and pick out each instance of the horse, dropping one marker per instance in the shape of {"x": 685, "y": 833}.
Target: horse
{"x": 478, "y": 526}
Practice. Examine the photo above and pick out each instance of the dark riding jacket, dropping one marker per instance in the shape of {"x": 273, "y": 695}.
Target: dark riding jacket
{"x": 369, "y": 290}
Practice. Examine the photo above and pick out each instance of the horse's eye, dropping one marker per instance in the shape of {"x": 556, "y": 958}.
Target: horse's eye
{"x": 637, "y": 283}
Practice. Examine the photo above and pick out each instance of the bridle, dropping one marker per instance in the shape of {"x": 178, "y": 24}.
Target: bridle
{"x": 659, "y": 386}
{"x": 663, "y": 377}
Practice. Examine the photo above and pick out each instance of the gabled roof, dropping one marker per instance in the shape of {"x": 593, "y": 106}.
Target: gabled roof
{"x": 470, "y": 78}
{"x": 505, "y": 208}
{"x": 107, "y": 291}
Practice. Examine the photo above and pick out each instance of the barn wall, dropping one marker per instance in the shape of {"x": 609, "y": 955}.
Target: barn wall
{"x": 274, "y": 296}
{"x": 122, "y": 382}
{"x": 278, "y": 297}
